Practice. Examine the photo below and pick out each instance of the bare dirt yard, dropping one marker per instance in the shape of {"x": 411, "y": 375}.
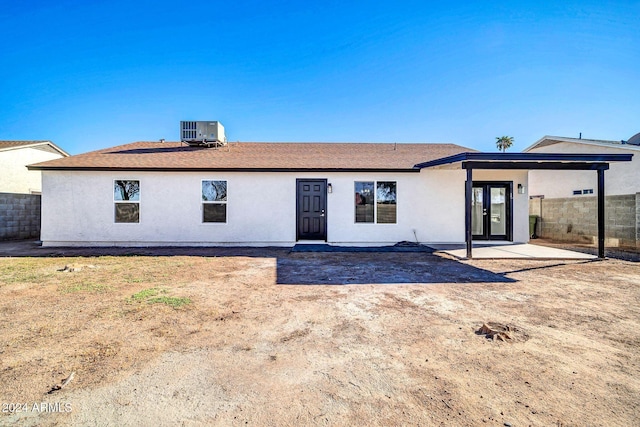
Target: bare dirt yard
{"x": 268, "y": 337}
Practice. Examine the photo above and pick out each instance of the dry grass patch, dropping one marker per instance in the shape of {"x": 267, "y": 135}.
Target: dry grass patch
{"x": 150, "y": 296}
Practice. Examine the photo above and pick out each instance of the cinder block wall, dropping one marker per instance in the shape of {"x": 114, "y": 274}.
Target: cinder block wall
{"x": 575, "y": 219}
{"x": 638, "y": 220}
{"x": 19, "y": 216}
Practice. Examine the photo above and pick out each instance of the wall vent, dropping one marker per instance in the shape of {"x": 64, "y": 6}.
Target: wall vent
{"x": 202, "y": 133}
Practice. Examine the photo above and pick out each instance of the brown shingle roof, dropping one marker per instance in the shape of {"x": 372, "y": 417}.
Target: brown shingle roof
{"x": 256, "y": 156}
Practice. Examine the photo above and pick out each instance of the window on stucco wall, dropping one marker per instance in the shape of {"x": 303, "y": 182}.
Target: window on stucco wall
{"x": 382, "y": 195}
{"x": 214, "y": 201}
{"x": 365, "y": 197}
{"x": 126, "y": 197}
{"x": 386, "y": 202}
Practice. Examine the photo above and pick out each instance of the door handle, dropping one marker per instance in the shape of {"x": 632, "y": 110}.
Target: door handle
{"x": 484, "y": 212}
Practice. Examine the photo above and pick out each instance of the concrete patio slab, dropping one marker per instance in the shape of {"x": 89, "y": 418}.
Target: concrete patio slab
{"x": 510, "y": 251}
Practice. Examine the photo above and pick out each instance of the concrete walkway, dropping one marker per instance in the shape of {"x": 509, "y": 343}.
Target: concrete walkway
{"x": 509, "y": 251}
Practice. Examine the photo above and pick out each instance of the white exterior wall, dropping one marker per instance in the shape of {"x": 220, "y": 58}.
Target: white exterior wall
{"x": 621, "y": 178}
{"x": 78, "y": 208}
{"x": 14, "y": 175}
{"x": 429, "y": 202}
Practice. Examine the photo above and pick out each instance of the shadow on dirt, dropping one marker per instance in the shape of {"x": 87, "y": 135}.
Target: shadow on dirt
{"x": 546, "y": 267}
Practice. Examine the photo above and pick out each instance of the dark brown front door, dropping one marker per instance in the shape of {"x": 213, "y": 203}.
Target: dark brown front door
{"x": 311, "y": 209}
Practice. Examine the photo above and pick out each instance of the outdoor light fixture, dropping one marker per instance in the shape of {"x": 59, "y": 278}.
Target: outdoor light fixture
{"x": 329, "y": 188}
{"x": 521, "y": 189}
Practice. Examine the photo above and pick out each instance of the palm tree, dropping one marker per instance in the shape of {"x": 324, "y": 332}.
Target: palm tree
{"x": 504, "y": 142}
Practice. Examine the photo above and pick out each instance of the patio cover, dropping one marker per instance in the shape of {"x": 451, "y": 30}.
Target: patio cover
{"x": 528, "y": 161}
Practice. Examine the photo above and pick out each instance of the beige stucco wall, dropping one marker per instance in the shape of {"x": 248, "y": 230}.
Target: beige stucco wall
{"x": 78, "y": 208}
{"x": 621, "y": 178}
{"x": 15, "y": 178}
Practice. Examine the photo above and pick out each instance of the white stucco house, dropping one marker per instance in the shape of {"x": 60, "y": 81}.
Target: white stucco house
{"x": 622, "y": 178}
{"x": 281, "y": 194}
{"x": 14, "y": 158}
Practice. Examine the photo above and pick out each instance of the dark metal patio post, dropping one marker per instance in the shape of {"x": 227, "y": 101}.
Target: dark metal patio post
{"x": 468, "y": 189}
{"x": 601, "y": 218}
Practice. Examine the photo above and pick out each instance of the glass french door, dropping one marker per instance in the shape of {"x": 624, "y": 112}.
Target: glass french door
{"x": 491, "y": 211}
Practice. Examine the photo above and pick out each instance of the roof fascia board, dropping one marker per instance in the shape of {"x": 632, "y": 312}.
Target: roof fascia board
{"x": 159, "y": 169}
{"x": 58, "y": 149}
{"x": 536, "y": 165}
{"x": 527, "y": 157}
{"x": 442, "y": 161}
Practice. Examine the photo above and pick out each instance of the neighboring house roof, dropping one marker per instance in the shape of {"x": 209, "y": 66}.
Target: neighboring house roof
{"x": 551, "y": 140}
{"x": 46, "y": 145}
{"x": 252, "y": 156}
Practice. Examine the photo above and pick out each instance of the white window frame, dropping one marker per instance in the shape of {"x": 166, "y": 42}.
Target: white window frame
{"x": 127, "y": 201}
{"x": 375, "y": 202}
{"x": 206, "y": 202}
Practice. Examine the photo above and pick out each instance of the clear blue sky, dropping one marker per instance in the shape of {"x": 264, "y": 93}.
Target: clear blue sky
{"x": 93, "y": 74}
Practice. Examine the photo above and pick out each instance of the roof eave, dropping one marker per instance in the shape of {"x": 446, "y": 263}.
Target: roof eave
{"x": 36, "y": 144}
{"x": 552, "y": 140}
{"x": 526, "y": 157}
{"x": 59, "y": 150}
{"x": 535, "y": 144}
{"x": 214, "y": 169}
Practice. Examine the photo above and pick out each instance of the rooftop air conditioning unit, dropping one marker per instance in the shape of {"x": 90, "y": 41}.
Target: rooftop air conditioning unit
{"x": 202, "y": 134}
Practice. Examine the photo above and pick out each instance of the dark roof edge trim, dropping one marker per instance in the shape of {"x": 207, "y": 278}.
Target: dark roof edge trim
{"x": 536, "y": 165}
{"x": 158, "y": 169}
{"x": 526, "y": 157}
